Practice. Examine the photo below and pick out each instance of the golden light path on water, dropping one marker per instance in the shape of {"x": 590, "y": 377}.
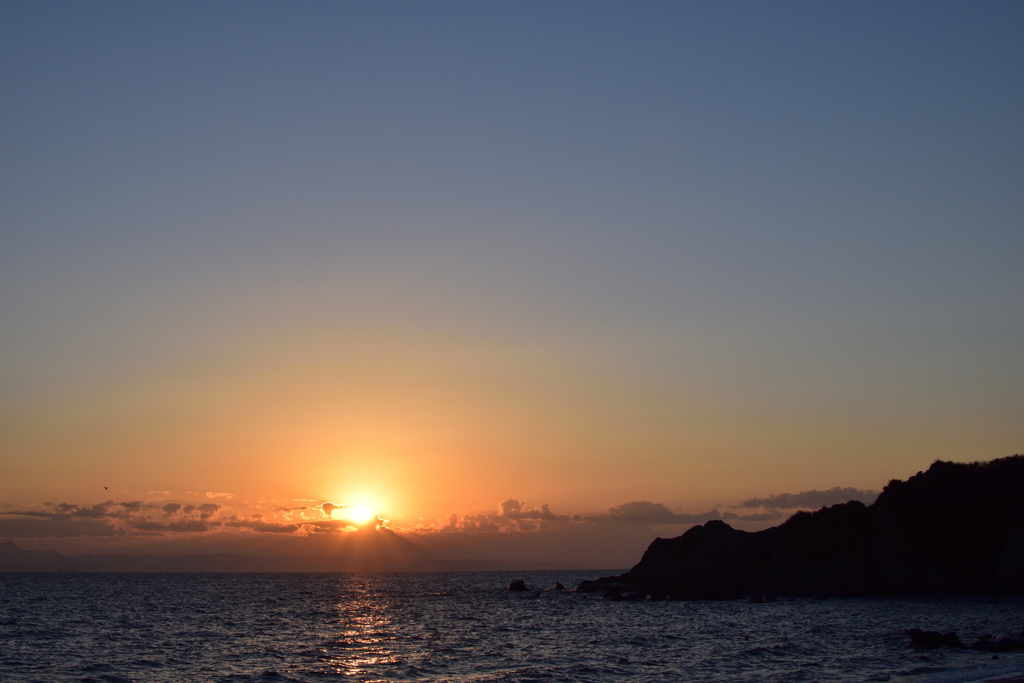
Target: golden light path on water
{"x": 364, "y": 633}
{"x": 467, "y": 626}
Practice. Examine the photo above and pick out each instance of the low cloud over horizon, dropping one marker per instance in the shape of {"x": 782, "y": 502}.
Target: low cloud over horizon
{"x": 813, "y": 499}
{"x": 151, "y": 519}
{"x": 782, "y": 505}
{"x": 128, "y": 519}
{"x": 511, "y": 532}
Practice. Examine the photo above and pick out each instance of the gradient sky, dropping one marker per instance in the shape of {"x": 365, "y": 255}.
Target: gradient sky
{"x": 429, "y": 257}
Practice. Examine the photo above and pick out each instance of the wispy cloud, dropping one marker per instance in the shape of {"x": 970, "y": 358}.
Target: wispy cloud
{"x": 209, "y": 494}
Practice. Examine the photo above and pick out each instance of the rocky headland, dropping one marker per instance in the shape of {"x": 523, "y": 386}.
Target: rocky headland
{"x": 956, "y": 529}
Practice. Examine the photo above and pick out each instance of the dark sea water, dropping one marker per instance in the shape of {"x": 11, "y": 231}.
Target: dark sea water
{"x": 463, "y": 627}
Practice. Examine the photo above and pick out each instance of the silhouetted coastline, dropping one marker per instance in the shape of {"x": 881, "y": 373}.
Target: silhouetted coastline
{"x": 956, "y": 529}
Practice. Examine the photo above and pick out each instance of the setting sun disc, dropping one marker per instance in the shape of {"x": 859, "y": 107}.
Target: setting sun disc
{"x": 360, "y": 514}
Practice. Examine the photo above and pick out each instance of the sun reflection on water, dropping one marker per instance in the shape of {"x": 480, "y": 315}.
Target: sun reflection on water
{"x": 360, "y": 636}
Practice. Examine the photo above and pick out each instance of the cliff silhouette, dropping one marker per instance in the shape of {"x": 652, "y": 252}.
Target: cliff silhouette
{"x": 956, "y": 529}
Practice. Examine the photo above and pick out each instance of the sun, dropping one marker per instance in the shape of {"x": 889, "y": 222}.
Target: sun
{"x": 360, "y": 514}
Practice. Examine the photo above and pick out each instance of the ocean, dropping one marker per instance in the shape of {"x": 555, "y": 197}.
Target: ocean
{"x": 465, "y": 626}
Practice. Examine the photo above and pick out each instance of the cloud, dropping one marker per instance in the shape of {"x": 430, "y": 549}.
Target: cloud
{"x": 30, "y": 513}
{"x": 135, "y": 518}
{"x": 190, "y": 525}
{"x": 130, "y": 518}
{"x": 513, "y": 515}
{"x": 106, "y": 519}
{"x": 97, "y": 511}
{"x": 324, "y": 526}
{"x": 202, "y": 511}
{"x": 510, "y": 508}
{"x": 645, "y": 512}
{"x": 754, "y": 516}
{"x": 488, "y": 523}
{"x": 205, "y": 511}
{"x": 263, "y": 527}
{"x": 513, "y": 509}
{"x": 329, "y": 508}
{"x": 208, "y": 494}
{"x": 812, "y": 499}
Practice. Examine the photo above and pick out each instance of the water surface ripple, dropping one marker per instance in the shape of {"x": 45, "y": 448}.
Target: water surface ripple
{"x": 463, "y": 627}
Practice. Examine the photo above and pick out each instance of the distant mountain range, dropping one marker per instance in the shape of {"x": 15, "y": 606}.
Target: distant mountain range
{"x": 956, "y": 529}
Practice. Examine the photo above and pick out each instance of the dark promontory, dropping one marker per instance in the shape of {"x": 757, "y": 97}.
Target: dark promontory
{"x": 957, "y": 529}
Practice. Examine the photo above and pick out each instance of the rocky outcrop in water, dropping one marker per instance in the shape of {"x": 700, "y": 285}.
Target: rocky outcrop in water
{"x": 956, "y": 529}
{"x": 932, "y": 640}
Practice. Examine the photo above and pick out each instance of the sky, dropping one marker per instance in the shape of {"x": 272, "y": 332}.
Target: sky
{"x": 578, "y": 273}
